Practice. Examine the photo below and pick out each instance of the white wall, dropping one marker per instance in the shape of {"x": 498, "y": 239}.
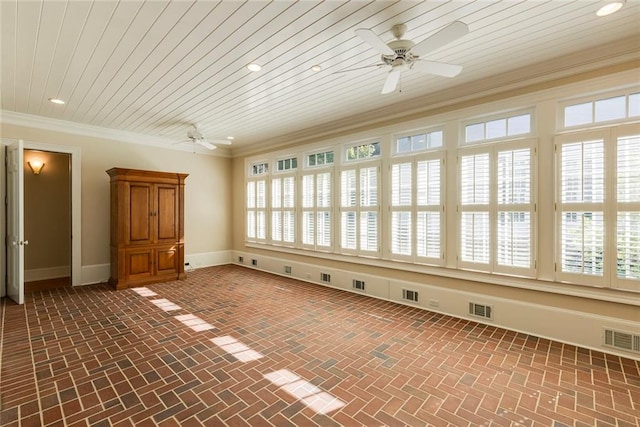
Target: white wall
{"x": 207, "y": 193}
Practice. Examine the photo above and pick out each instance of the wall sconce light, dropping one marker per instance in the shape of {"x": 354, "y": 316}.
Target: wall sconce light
{"x": 36, "y": 166}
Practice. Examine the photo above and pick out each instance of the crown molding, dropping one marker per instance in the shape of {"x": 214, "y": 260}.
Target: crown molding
{"x": 56, "y": 125}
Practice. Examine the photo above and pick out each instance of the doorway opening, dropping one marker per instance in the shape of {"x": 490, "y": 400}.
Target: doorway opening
{"x": 47, "y": 220}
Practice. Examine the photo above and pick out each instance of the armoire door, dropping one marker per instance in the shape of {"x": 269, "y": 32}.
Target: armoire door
{"x": 140, "y": 213}
{"x": 166, "y": 213}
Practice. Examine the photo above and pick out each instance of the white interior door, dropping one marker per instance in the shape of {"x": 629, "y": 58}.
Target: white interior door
{"x": 15, "y": 222}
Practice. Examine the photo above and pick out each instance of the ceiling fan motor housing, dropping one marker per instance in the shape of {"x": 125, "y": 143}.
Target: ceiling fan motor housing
{"x": 403, "y": 56}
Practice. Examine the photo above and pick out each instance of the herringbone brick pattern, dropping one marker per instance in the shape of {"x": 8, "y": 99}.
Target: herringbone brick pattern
{"x": 233, "y": 346}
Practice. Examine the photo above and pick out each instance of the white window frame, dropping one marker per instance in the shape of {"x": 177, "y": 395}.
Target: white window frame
{"x": 609, "y": 207}
{"x": 493, "y": 208}
{"x": 358, "y": 209}
{"x": 282, "y": 209}
{"x": 315, "y": 153}
{"x": 252, "y": 208}
{"x": 346, "y": 147}
{"x": 414, "y": 208}
{"x": 277, "y": 171}
{"x": 497, "y": 116}
{"x": 415, "y": 132}
{"x": 314, "y": 209}
{"x": 562, "y": 105}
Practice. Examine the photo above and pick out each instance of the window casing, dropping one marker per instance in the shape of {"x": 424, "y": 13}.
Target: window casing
{"x": 497, "y": 207}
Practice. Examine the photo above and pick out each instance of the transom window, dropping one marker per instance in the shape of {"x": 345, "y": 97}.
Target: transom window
{"x": 287, "y": 164}
{"x": 362, "y": 151}
{"x": 419, "y": 142}
{"x": 259, "y": 168}
{"x": 320, "y": 159}
{"x": 602, "y": 109}
{"x": 498, "y": 128}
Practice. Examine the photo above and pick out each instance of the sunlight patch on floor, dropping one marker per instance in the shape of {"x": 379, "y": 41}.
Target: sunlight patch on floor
{"x": 165, "y": 304}
{"x": 145, "y": 292}
{"x": 236, "y": 349}
{"x": 194, "y": 322}
{"x": 319, "y": 401}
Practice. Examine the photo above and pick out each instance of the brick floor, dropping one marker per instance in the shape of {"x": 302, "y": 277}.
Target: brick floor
{"x": 233, "y": 346}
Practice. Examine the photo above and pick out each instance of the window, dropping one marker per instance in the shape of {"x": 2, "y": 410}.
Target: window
{"x": 602, "y": 109}
{"x": 316, "y": 210}
{"x": 496, "y": 208}
{"x": 259, "y": 168}
{"x": 362, "y": 151}
{"x": 416, "y": 209}
{"x": 517, "y": 124}
{"x": 599, "y": 224}
{"x": 287, "y": 164}
{"x": 320, "y": 159}
{"x": 256, "y": 210}
{"x": 283, "y": 223}
{"x": 419, "y": 142}
{"x": 359, "y": 209}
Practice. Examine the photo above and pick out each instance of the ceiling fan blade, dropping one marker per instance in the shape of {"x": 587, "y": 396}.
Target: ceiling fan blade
{"x": 374, "y": 41}
{"x": 205, "y": 144}
{"x": 346, "y": 70}
{"x": 392, "y": 81}
{"x": 448, "y": 34}
{"x": 221, "y": 141}
{"x": 437, "y": 68}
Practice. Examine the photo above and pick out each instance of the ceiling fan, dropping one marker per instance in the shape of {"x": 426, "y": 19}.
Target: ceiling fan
{"x": 403, "y": 55}
{"x": 195, "y": 136}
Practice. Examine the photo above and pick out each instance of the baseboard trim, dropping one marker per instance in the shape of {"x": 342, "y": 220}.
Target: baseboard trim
{"x": 97, "y": 273}
{"x": 36, "y": 274}
{"x": 207, "y": 259}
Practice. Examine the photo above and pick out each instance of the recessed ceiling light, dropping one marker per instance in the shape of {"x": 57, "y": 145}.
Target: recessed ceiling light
{"x": 316, "y": 68}
{"x": 56, "y": 101}
{"x": 254, "y": 67}
{"x": 610, "y": 8}
{"x": 230, "y": 138}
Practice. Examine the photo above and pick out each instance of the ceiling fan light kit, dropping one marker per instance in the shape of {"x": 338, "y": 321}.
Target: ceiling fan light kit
{"x": 403, "y": 55}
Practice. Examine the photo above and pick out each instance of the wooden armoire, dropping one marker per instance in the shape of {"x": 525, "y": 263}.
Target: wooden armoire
{"x": 147, "y": 227}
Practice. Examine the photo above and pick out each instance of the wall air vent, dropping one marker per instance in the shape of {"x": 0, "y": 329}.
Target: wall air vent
{"x": 325, "y": 277}
{"x": 358, "y": 284}
{"x": 254, "y": 262}
{"x": 287, "y": 269}
{"x": 409, "y": 295}
{"x": 241, "y": 259}
{"x": 622, "y": 340}
{"x": 481, "y": 310}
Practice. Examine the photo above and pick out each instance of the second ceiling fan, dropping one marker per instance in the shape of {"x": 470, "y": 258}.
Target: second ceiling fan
{"x": 403, "y": 55}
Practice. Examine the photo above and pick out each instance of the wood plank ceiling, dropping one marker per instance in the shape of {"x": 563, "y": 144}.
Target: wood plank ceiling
{"x": 154, "y": 67}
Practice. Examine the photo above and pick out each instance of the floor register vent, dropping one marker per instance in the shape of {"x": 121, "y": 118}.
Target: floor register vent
{"x": 409, "y": 295}
{"x": 325, "y": 277}
{"x": 358, "y": 284}
{"x": 481, "y": 310}
{"x": 622, "y": 340}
